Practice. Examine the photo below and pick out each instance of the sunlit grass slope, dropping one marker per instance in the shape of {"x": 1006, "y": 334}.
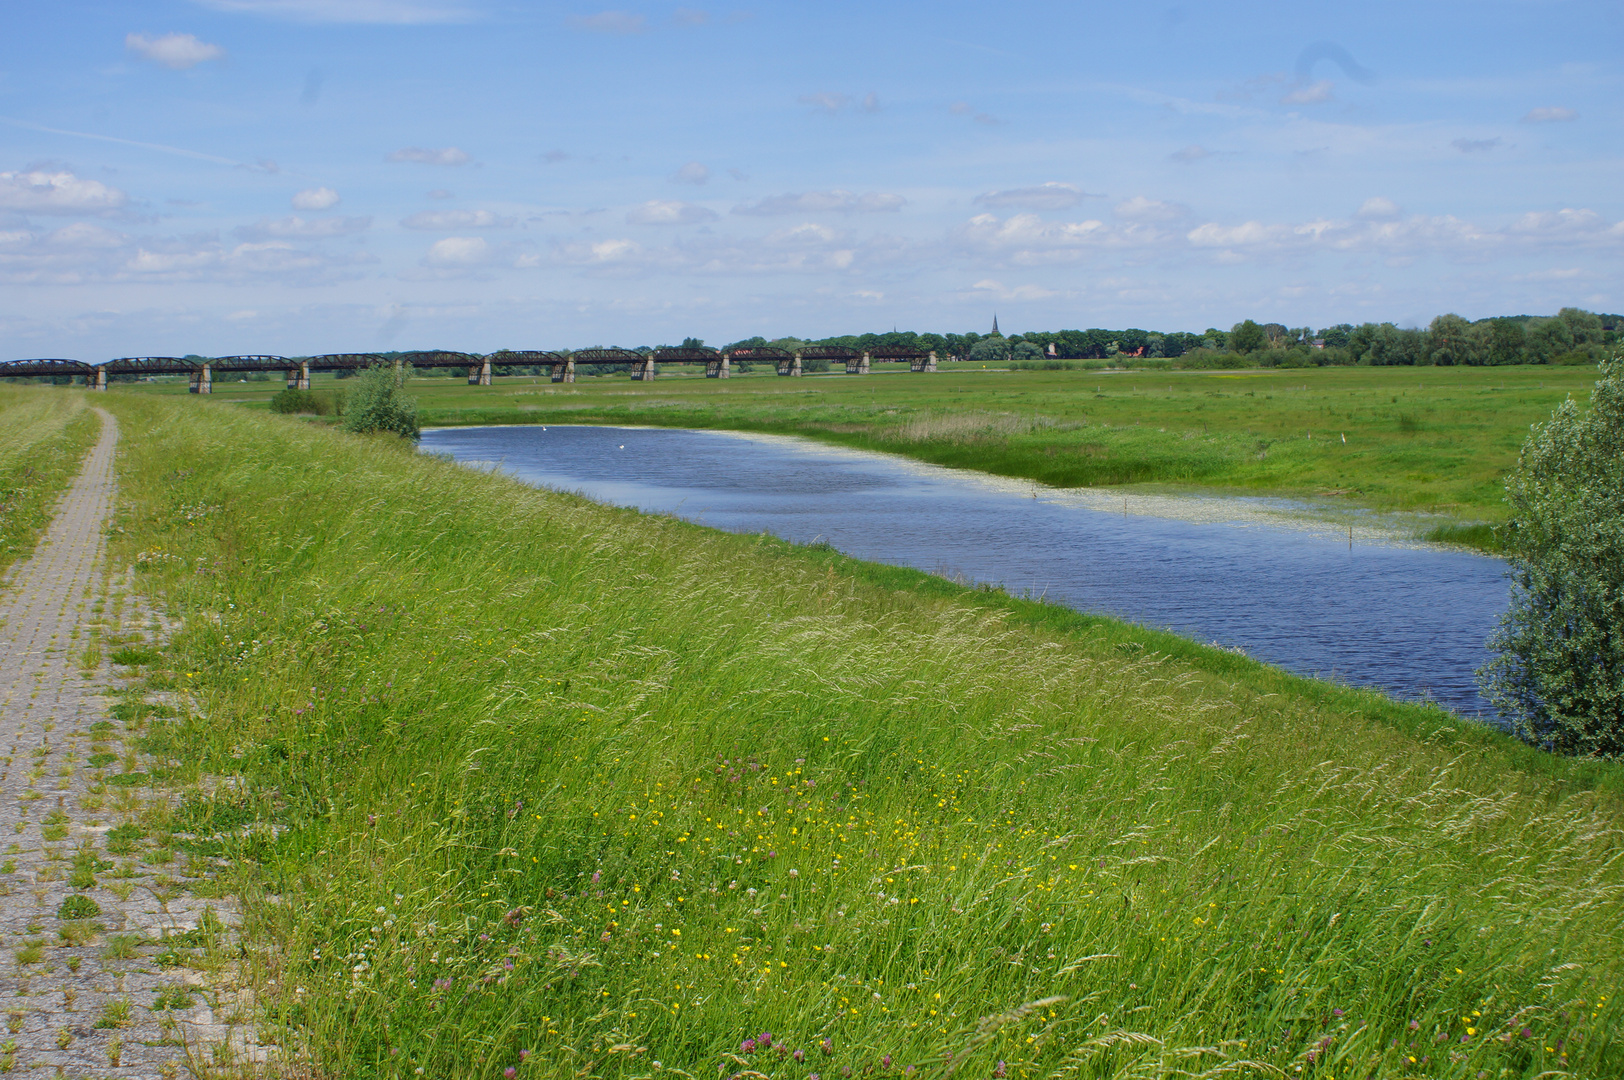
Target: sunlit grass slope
{"x": 42, "y": 442}
{"x": 542, "y": 788}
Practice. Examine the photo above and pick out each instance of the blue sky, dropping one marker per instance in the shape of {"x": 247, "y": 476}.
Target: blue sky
{"x": 294, "y": 176}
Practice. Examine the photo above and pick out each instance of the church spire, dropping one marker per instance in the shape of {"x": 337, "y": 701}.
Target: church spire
{"x": 995, "y": 323}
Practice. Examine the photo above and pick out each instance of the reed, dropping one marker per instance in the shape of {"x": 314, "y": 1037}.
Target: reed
{"x": 528, "y": 786}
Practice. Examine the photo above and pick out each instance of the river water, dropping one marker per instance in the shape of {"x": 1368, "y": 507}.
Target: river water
{"x": 1405, "y": 618}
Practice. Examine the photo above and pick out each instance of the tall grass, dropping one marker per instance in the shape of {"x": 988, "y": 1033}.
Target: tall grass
{"x": 46, "y": 434}
{"x": 532, "y": 784}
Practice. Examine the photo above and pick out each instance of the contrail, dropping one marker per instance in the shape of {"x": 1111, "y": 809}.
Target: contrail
{"x": 160, "y": 147}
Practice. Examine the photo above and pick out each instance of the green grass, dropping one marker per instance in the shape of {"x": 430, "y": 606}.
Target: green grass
{"x": 42, "y": 446}
{"x": 569, "y": 789}
{"x": 1430, "y": 440}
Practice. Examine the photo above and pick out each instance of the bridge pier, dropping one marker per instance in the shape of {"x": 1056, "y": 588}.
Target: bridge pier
{"x": 201, "y": 381}
{"x": 857, "y": 365}
{"x": 718, "y": 369}
{"x": 480, "y": 376}
{"x": 923, "y": 363}
{"x": 790, "y": 366}
{"x": 561, "y": 371}
{"x": 101, "y": 379}
{"x": 643, "y": 371}
{"x": 304, "y": 376}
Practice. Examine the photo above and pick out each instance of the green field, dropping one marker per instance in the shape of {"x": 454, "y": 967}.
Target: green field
{"x": 1432, "y": 441}
{"x": 524, "y": 782}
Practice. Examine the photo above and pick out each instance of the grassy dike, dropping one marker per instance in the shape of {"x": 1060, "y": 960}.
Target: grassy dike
{"x": 526, "y": 783}
{"x": 42, "y": 443}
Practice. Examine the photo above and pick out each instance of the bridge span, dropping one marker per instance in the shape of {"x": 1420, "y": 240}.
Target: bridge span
{"x": 561, "y": 366}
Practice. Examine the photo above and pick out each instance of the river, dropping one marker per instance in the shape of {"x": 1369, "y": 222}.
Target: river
{"x": 1405, "y": 618}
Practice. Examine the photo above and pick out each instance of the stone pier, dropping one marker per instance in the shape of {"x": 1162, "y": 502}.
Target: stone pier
{"x": 561, "y": 371}
{"x": 720, "y": 368}
{"x": 643, "y": 371}
{"x": 790, "y": 366}
{"x": 201, "y": 381}
{"x": 923, "y": 363}
{"x": 101, "y": 379}
{"x": 481, "y": 375}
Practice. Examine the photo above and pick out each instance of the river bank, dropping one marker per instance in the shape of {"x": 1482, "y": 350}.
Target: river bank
{"x": 525, "y": 782}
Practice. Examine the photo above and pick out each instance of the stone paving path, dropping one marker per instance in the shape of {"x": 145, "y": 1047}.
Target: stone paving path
{"x": 112, "y": 964}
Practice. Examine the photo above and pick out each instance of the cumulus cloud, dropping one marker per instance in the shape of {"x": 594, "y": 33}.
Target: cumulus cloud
{"x": 1052, "y": 195}
{"x": 450, "y": 155}
{"x": 964, "y": 108}
{"x": 1377, "y": 208}
{"x": 296, "y": 226}
{"x": 174, "y": 51}
{"x": 41, "y": 192}
{"x": 1549, "y": 114}
{"x": 691, "y": 173}
{"x": 1311, "y": 94}
{"x": 1027, "y": 238}
{"x": 83, "y": 234}
{"x": 826, "y": 100}
{"x": 448, "y": 220}
{"x": 811, "y": 202}
{"x": 1140, "y": 208}
{"x": 610, "y": 22}
{"x": 668, "y": 212}
{"x": 989, "y": 287}
{"x": 1475, "y": 146}
{"x": 398, "y": 12}
{"x": 459, "y": 251}
{"x": 316, "y": 198}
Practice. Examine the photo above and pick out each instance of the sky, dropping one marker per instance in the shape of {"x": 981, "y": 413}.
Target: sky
{"x": 308, "y": 176}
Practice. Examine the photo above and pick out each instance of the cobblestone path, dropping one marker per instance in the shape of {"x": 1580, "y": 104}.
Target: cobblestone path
{"x": 112, "y": 964}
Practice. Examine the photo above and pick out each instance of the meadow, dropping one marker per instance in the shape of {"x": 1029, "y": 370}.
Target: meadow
{"x": 521, "y": 785}
{"x": 1433, "y": 442}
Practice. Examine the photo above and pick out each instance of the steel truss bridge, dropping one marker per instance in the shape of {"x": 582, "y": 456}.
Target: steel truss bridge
{"x": 201, "y": 371}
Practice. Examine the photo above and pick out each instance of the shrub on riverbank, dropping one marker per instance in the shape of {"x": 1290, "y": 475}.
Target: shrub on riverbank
{"x": 1559, "y": 675}
{"x": 552, "y": 787}
{"x": 379, "y": 402}
{"x": 309, "y": 402}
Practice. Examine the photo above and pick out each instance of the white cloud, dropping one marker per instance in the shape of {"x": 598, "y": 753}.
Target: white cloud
{"x": 316, "y": 198}
{"x": 1549, "y": 114}
{"x": 439, "y": 193}
{"x": 691, "y": 173}
{"x": 1377, "y": 208}
{"x": 1140, "y": 208}
{"x": 459, "y": 251}
{"x": 296, "y": 226}
{"x": 610, "y": 22}
{"x": 398, "y": 12}
{"x": 450, "y": 155}
{"x": 812, "y": 202}
{"x": 1052, "y": 195}
{"x": 999, "y": 291}
{"x": 174, "y": 51}
{"x": 41, "y": 192}
{"x": 802, "y": 235}
{"x": 456, "y": 219}
{"x": 1312, "y": 94}
{"x": 826, "y": 100}
{"x": 667, "y": 212}
{"x": 82, "y": 234}
{"x": 1028, "y": 238}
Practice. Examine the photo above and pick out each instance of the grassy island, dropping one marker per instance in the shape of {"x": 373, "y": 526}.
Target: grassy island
{"x": 522, "y": 785}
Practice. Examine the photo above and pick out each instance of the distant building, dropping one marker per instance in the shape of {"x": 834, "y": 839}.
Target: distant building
{"x": 1319, "y": 343}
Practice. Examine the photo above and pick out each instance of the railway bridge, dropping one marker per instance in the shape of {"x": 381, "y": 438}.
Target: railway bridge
{"x": 561, "y": 366}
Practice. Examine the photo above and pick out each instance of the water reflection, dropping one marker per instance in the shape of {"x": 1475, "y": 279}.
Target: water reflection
{"x": 1406, "y": 619}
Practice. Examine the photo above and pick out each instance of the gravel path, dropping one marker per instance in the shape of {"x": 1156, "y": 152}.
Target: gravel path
{"x": 113, "y": 964}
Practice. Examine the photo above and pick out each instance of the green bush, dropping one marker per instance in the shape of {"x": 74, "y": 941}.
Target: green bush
{"x": 1559, "y": 675}
{"x": 312, "y": 402}
{"x": 379, "y": 402}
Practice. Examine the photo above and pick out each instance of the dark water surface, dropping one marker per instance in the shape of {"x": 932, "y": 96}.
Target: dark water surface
{"x": 1407, "y": 619}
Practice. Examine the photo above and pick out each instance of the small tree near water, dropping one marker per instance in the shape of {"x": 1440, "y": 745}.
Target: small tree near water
{"x": 1559, "y": 675}
{"x": 378, "y": 402}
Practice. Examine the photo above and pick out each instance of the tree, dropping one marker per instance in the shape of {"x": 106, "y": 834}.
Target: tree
{"x": 1559, "y": 675}
{"x": 379, "y": 402}
{"x": 1449, "y": 341}
{"x": 1247, "y": 337}
{"x": 992, "y": 349}
{"x": 1506, "y": 341}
